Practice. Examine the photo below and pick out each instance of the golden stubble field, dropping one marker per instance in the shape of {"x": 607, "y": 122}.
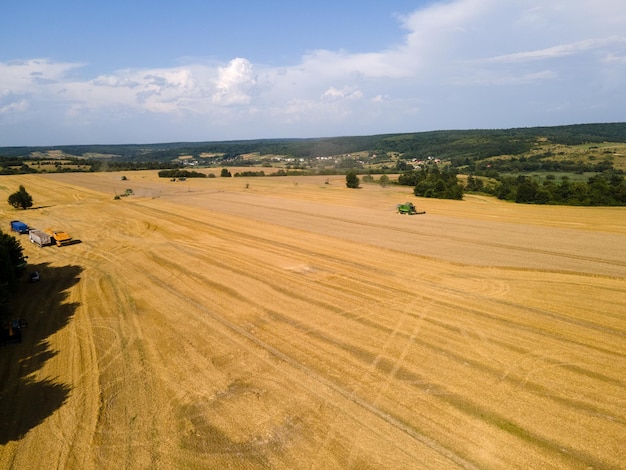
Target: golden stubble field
{"x": 288, "y": 323}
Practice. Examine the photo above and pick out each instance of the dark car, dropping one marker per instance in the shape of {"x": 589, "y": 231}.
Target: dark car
{"x": 34, "y": 276}
{"x": 19, "y": 323}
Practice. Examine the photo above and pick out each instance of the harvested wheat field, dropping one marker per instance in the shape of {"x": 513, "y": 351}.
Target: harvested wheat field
{"x": 289, "y": 323}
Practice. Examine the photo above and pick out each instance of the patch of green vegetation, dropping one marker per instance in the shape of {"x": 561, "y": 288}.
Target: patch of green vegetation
{"x": 551, "y": 176}
{"x": 180, "y": 174}
{"x": 432, "y": 182}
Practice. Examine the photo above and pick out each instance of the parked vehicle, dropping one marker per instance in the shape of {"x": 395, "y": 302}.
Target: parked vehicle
{"x": 34, "y": 276}
{"x": 19, "y": 323}
{"x": 39, "y": 238}
{"x": 19, "y": 227}
{"x": 59, "y": 237}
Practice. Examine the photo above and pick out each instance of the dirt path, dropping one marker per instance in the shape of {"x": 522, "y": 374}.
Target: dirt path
{"x": 292, "y": 323}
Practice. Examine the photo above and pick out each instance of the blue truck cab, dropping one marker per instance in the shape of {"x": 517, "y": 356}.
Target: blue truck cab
{"x": 19, "y": 227}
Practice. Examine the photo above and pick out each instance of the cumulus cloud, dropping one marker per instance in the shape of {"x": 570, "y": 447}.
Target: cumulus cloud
{"x": 234, "y": 83}
{"x": 443, "y": 23}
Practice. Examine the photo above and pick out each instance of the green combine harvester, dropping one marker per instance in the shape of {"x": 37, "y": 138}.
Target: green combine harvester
{"x": 408, "y": 208}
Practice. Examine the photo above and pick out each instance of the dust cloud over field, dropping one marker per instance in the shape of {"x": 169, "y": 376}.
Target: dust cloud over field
{"x": 294, "y": 323}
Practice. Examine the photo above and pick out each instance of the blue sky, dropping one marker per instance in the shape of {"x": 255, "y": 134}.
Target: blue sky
{"x": 77, "y": 72}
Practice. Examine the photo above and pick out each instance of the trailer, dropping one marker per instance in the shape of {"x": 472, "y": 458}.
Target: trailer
{"x": 39, "y": 238}
{"x": 59, "y": 237}
{"x": 19, "y": 227}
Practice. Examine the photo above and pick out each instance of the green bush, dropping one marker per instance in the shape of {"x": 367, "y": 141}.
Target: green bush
{"x": 352, "y": 180}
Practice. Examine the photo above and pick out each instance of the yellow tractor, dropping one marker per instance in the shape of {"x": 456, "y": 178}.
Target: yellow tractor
{"x": 59, "y": 237}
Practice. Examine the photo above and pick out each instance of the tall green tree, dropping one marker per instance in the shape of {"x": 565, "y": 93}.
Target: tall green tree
{"x": 352, "y": 180}
{"x": 21, "y": 199}
{"x": 12, "y": 265}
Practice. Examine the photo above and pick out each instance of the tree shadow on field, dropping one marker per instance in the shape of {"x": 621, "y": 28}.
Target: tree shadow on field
{"x": 26, "y": 401}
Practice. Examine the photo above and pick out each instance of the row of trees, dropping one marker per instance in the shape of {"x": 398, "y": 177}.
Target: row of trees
{"x": 604, "y": 189}
{"x": 181, "y": 174}
{"x": 523, "y": 164}
{"x": 607, "y": 189}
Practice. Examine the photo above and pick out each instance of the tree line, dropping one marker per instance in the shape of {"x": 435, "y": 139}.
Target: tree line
{"x": 181, "y": 174}
{"x": 606, "y": 189}
{"x": 536, "y": 163}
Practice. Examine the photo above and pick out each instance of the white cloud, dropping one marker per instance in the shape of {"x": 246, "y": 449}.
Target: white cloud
{"x": 614, "y": 58}
{"x": 444, "y": 21}
{"x": 491, "y": 78}
{"x": 9, "y": 104}
{"x": 332, "y": 94}
{"x": 234, "y": 83}
{"x": 563, "y": 50}
{"x": 32, "y": 75}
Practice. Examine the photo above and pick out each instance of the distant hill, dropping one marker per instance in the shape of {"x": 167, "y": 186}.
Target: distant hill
{"x": 453, "y": 145}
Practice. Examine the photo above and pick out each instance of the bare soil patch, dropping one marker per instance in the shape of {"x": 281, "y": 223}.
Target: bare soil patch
{"x": 283, "y": 322}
